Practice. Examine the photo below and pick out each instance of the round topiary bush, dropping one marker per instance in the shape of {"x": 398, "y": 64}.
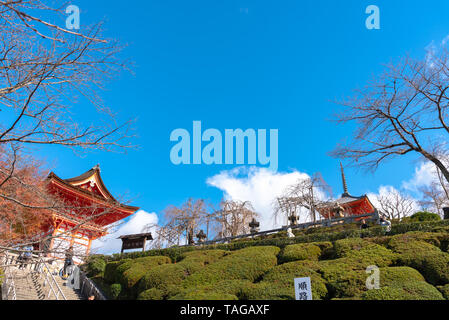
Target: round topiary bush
{"x": 391, "y": 276}
{"x": 160, "y": 277}
{"x": 365, "y": 253}
{"x": 429, "y": 260}
{"x": 344, "y": 247}
{"x": 300, "y": 251}
{"x": 281, "y": 279}
{"x": 163, "y": 276}
{"x": 344, "y": 277}
{"x": 246, "y": 264}
{"x": 110, "y": 271}
{"x": 221, "y": 290}
{"x": 130, "y": 272}
{"x": 424, "y": 216}
{"x": 406, "y": 291}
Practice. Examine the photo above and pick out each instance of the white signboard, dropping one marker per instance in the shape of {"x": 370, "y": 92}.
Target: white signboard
{"x": 303, "y": 289}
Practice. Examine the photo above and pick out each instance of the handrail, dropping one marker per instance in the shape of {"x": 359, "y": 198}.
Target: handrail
{"x": 89, "y": 288}
{"x": 8, "y": 286}
{"x": 50, "y": 279}
{"x": 324, "y": 222}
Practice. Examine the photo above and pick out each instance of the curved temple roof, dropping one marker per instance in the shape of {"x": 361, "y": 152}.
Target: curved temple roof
{"x": 90, "y": 187}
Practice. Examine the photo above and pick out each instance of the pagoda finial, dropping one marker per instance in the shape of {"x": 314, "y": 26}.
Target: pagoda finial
{"x": 343, "y": 179}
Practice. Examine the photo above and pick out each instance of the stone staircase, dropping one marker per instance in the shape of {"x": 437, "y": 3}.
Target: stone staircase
{"x": 29, "y": 285}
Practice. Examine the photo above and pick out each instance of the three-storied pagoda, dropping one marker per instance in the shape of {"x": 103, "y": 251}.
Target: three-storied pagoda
{"x": 88, "y": 209}
{"x": 347, "y": 205}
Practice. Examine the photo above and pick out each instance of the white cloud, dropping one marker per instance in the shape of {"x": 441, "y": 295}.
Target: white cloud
{"x": 424, "y": 175}
{"x": 136, "y": 224}
{"x": 260, "y": 186}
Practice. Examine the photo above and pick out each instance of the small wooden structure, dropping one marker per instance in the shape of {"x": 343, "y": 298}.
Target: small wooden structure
{"x": 135, "y": 241}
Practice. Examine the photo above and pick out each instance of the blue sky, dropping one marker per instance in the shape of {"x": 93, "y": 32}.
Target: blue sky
{"x": 245, "y": 64}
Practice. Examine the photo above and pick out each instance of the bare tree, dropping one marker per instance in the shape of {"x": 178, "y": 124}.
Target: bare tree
{"x": 233, "y": 217}
{"x": 396, "y": 205}
{"x": 435, "y": 196}
{"x": 403, "y": 112}
{"x": 307, "y": 193}
{"x": 183, "y": 221}
{"x": 44, "y": 69}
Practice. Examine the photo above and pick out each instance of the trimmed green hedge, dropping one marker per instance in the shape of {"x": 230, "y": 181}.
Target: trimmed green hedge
{"x": 425, "y": 257}
{"x": 163, "y": 276}
{"x": 324, "y": 234}
{"x": 221, "y": 290}
{"x": 151, "y": 294}
{"x": 300, "y": 251}
{"x": 95, "y": 265}
{"x": 247, "y": 264}
{"x": 405, "y": 291}
{"x": 281, "y": 279}
{"x": 424, "y": 216}
{"x": 411, "y": 262}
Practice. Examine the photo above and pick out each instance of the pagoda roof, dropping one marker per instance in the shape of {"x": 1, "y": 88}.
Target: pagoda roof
{"x": 355, "y": 204}
{"x": 90, "y": 186}
{"x": 347, "y": 198}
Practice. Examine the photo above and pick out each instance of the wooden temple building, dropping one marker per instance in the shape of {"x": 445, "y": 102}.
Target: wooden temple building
{"x": 88, "y": 208}
{"x": 347, "y": 204}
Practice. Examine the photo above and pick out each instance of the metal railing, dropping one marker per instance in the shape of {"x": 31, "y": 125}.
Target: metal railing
{"x": 8, "y": 285}
{"x": 321, "y": 223}
{"x": 43, "y": 269}
{"x": 88, "y": 288}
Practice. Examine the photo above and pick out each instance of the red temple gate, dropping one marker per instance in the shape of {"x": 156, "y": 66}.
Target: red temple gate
{"x": 88, "y": 209}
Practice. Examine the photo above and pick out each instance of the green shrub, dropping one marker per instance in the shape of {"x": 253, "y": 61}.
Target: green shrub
{"x": 319, "y": 235}
{"x": 225, "y": 290}
{"x": 392, "y": 276}
{"x": 151, "y": 294}
{"x": 365, "y": 252}
{"x": 114, "y": 290}
{"x": 247, "y": 264}
{"x": 130, "y": 272}
{"x": 444, "y": 290}
{"x": 282, "y": 276}
{"x": 265, "y": 290}
{"x": 406, "y": 291}
{"x": 345, "y": 246}
{"x": 160, "y": 277}
{"x": 200, "y": 295}
{"x": 429, "y": 260}
{"x": 327, "y": 250}
{"x": 300, "y": 251}
{"x": 424, "y": 216}
{"x": 433, "y": 238}
{"x": 247, "y": 269}
{"x": 110, "y": 271}
{"x": 95, "y": 265}
{"x": 344, "y": 277}
{"x": 163, "y": 276}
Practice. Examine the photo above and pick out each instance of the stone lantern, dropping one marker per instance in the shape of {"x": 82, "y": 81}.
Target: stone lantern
{"x": 254, "y": 225}
{"x": 293, "y": 219}
{"x": 201, "y": 236}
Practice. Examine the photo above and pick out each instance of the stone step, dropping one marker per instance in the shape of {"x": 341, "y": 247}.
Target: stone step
{"x": 29, "y": 285}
